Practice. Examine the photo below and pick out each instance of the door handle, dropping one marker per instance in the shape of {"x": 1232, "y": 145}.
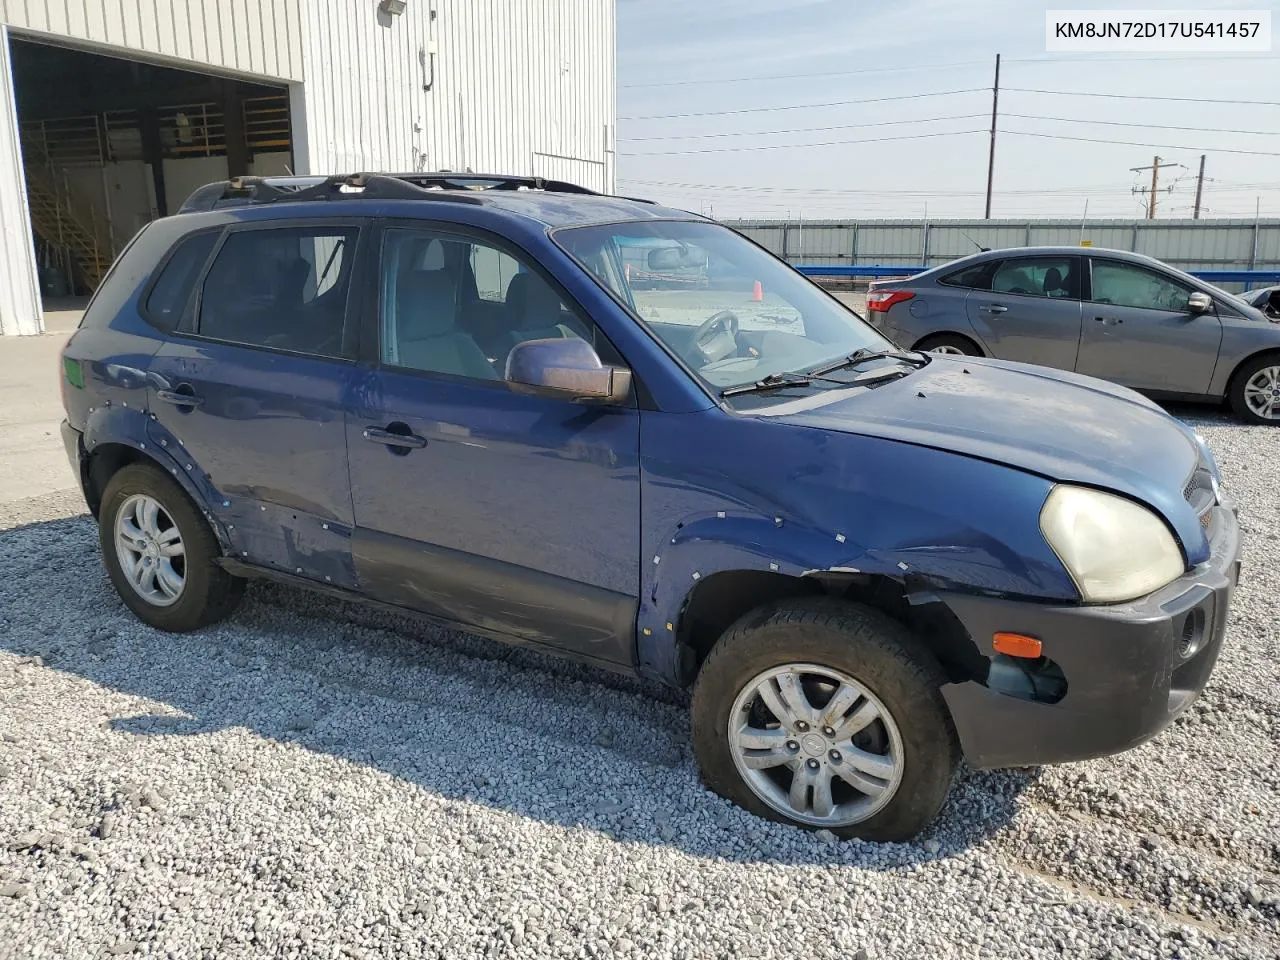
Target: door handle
{"x": 997, "y": 308}
{"x": 405, "y": 441}
{"x": 179, "y": 397}
{"x": 1108, "y": 321}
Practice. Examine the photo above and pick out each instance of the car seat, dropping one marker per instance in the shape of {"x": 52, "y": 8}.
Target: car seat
{"x": 428, "y": 337}
{"x": 1054, "y": 285}
{"x": 534, "y": 312}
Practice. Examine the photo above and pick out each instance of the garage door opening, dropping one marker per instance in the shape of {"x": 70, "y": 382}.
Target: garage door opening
{"x": 110, "y": 143}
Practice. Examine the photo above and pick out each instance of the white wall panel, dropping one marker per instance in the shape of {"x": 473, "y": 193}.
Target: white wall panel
{"x": 19, "y": 294}
{"x": 236, "y": 35}
{"x": 509, "y": 79}
{"x": 523, "y": 87}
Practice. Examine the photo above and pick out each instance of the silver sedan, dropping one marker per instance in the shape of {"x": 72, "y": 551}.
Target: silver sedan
{"x": 1104, "y": 313}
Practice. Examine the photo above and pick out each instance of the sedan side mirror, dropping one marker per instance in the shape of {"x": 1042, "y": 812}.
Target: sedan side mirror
{"x": 566, "y": 367}
{"x": 1199, "y": 302}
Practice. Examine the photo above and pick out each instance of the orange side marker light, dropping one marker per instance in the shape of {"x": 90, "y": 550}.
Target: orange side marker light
{"x": 1016, "y": 645}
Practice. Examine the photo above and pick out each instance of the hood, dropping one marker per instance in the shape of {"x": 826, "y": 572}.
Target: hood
{"x": 1064, "y": 427}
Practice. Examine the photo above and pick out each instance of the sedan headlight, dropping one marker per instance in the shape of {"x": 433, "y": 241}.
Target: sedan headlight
{"x": 1113, "y": 548}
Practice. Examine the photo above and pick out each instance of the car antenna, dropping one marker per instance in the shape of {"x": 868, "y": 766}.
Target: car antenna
{"x": 980, "y": 247}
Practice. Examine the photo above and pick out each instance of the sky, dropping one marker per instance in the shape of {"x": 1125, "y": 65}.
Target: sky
{"x": 741, "y": 108}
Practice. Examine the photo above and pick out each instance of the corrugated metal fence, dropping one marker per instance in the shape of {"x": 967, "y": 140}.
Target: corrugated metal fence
{"x": 1187, "y": 244}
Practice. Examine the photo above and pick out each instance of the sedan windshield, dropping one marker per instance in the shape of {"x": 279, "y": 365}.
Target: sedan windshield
{"x": 732, "y": 312}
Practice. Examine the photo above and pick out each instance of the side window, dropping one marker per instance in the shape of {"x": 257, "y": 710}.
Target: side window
{"x": 171, "y": 293}
{"x": 1128, "y": 285}
{"x": 494, "y": 271}
{"x": 1053, "y": 277}
{"x": 977, "y": 277}
{"x": 280, "y": 287}
{"x": 457, "y": 306}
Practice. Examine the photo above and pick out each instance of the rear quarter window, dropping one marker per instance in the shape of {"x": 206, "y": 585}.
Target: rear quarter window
{"x": 174, "y": 286}
{"x": 977, "y": 277}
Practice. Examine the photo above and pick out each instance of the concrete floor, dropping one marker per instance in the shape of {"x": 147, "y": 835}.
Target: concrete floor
{"x": 32, "y": 460}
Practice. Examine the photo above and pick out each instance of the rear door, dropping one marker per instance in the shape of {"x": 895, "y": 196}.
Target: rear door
{"x": 249, "y": 392}
{"x": 1139, "y": 332}
{"x": 1031, "y": 310}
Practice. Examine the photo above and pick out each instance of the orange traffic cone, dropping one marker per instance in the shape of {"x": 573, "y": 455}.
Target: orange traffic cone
{"x": 757, "y": 292}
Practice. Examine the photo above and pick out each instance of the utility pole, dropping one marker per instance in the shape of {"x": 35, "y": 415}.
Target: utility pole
{"x": 991, "y": 155}
{"x": 1155, "y": 168}
{"x": 1199, "y": 189}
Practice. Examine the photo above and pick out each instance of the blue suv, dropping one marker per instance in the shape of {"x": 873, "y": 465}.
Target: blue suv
{"x": 627, "y": 434}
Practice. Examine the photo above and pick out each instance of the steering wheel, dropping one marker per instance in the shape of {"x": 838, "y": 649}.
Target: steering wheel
{"x": 717, "y": 336}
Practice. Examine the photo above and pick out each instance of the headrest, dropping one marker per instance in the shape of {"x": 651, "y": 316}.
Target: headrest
{"x": 541, "y": 307}
{"x": 424, "y": 305}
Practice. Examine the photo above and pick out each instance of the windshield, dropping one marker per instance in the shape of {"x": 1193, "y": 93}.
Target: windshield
{"x": 734, "y": 313}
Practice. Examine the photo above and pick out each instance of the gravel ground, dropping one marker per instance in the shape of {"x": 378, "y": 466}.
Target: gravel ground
{"x": 311, "y": 779}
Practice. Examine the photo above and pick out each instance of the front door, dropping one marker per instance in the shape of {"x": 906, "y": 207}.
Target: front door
{"x": 249, "y": 395}
{"x": 1031, "y": 313}
{"x": 516, "y": 514}
{"x": 1138, "y": 331}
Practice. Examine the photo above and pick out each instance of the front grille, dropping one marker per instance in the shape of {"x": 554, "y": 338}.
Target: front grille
{"x": 1199, "y": 492}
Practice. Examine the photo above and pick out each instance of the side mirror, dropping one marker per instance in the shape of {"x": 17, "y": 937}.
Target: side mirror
{"x": 1199, "y": 302}
{"x": 566, "y": 367}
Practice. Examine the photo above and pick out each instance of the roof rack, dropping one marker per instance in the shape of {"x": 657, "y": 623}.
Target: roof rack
{"x": 445, "y": 185}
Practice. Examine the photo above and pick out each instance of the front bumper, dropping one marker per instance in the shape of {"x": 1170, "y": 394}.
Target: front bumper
{"x": 1126, "y": 672}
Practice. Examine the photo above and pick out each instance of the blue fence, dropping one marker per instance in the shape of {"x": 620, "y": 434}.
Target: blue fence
{"x": 1250, "y": 278}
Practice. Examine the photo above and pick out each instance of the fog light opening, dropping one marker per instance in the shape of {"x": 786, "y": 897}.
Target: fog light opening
{"x": 1040, "y": 680}
{"x": 1192, "y": 633}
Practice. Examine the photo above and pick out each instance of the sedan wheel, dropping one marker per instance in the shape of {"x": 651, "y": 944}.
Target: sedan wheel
{"x": 815, "y": 745}
{"x": 150, "y": 550}
{"x": 1262, "y": 393}
{"x": 948, "y": 349}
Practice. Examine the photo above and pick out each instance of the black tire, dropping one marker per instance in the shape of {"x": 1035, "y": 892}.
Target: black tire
{"x": 1235, "y": 393}
{"x": 209, "y": 593}
{"x": 862, "y": 643}
{"x": 954, "y": 341}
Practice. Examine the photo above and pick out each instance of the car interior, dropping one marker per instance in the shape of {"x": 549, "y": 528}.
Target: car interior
{"x": 278, "y": 288}
{"x": 435, "y": 318}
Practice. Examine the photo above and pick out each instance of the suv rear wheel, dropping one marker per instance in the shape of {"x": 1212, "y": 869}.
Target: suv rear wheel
{"x": 159, "y": 552}
{"x": 826, "y": 715}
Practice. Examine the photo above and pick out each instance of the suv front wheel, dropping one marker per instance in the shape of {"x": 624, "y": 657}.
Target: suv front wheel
{"x": 160, "y": 553}
{"x": 827, "y": 715}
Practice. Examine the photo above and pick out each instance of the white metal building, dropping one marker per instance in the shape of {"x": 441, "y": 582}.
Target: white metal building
{"x": 112, "y": 111}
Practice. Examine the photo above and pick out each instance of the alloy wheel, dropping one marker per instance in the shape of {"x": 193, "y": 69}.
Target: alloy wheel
{"x": 150, "y": 550}
{"x": 815, "y": 745}
{"x": 1262, "y": 393}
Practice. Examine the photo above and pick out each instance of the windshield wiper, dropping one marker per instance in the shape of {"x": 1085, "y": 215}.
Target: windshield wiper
{"x": 776, "y": 381}
{"x": 863, "y": 354}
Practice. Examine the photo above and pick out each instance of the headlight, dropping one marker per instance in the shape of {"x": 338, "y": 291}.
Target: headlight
{"x": 1114, "y": 549}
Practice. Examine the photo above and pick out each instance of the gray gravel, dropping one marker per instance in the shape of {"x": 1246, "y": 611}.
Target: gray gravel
{"x": 311, "y": 779}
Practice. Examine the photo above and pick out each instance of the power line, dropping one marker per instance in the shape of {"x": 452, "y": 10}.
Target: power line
{"x": 1136, "y": 143}
{"x": 958, "y": 116}
{"x": 804, "y": 146}
{"x": 1152, "y": 126}
{"x": 1031, "y": 61}
{"x": 1134, "y": 96}
{"x": 800, "y": 76}
{"x": 826, "y": 129}
{"x": 804, "y": 106}
{"x": 1083, "y": 190}
{"x": 1121, "y": 58}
